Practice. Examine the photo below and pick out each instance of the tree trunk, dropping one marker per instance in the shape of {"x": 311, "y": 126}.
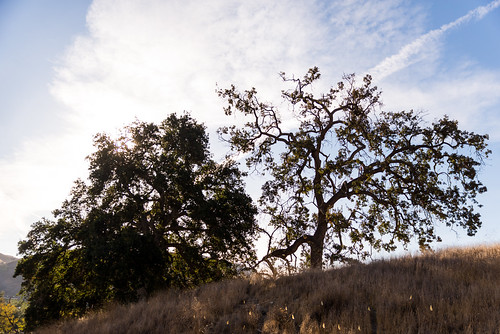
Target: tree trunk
{"x": 317, "y": 253}
{"x": 318, "y": 242}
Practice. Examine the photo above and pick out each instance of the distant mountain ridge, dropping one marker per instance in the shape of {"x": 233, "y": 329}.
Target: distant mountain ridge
{"x": 8, "y": 284}
{"x": 6, "y": 258}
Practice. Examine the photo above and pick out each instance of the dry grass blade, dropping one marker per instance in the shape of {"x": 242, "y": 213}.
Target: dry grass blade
{"x": 452, "y": 291}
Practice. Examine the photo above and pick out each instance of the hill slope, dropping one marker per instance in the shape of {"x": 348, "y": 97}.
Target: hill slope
{"x": 453, "y": 291}
{"x": 6, "y": 258}
{"x": 8, "y": 284}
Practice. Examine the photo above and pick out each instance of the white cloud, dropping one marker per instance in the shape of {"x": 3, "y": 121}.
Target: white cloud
{"x": 34, "y": 182}
{"x": 471, "y": 96}
{"x": 150, "y": 58}
{"x": 425, "y": 44}
{"x": 364, "y": 32}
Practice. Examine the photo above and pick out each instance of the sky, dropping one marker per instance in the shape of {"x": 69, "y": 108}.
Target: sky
{"x": 71, "y": 69}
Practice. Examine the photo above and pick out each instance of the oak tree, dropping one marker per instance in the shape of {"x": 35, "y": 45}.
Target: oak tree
{"x": 155, "y": 212}
{"x": 349, "y": 175}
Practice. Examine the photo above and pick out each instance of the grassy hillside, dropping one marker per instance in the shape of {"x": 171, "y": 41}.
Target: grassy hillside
{"x": 453, "y": 291}
{"x": 9, "y": 285}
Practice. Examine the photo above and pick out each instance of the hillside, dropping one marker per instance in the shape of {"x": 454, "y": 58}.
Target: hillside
{"x": 6, "y": 258}
{"x": 452, "y": 291}
{"x": 8, "y": 284}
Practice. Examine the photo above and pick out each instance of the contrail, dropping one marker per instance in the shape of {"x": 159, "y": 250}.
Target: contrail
{"x": 403, "y": 58}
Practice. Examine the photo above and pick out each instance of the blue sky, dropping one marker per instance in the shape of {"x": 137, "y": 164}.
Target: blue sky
{"x": 70, "y": 69}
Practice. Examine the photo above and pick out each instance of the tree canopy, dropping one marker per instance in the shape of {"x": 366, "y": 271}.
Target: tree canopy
{"x": 155, "y": 212}
{"x": 349, "y": 174}
{"x": 11, "y": 318}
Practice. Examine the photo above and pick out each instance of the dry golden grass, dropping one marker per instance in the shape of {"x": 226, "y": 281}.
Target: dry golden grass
{"x": 452, "y": 291}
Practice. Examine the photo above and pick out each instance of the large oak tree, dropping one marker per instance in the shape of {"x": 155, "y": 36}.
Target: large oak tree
{"x": 349, "y": 175}
{"x": 156, "y": 212}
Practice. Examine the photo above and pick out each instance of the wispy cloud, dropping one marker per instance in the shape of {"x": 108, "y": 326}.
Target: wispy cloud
{"x": 471, "y": 97}
{"x": 409, "y": 53}
{"x": 35, "y": 181}
{"x": 150, "y": 58}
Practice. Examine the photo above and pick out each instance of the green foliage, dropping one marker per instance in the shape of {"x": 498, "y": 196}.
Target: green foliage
{"x": 350, "y": 174}
{"x": 156, "y": 212}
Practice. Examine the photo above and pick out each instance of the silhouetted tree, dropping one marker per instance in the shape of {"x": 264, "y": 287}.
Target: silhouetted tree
{"x": 348, "y": 174}
{"x": 156, "y": 212}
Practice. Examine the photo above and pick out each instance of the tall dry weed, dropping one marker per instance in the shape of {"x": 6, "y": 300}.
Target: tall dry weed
{"x": 451, "y": 291}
